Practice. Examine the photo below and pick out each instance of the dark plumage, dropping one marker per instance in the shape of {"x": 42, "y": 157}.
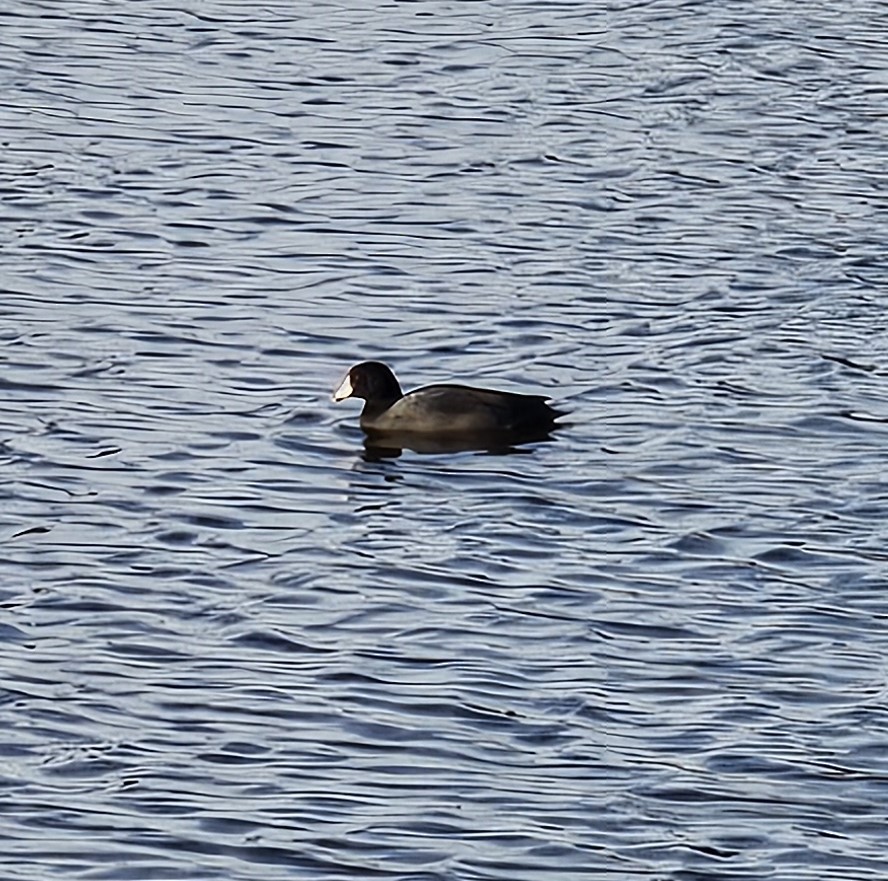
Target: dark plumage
{"x": 442, "y": 411}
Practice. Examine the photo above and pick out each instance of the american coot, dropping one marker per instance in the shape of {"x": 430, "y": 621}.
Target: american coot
{"x": 443, "y": 412}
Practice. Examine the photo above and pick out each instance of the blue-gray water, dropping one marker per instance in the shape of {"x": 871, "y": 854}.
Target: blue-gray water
{"x": 235, "y": 647}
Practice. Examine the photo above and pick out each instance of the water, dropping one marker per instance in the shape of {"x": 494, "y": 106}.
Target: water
{"x": 236, "y": 645}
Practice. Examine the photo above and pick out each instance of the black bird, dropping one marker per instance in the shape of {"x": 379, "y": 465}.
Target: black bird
{"x": 443, "y": 411}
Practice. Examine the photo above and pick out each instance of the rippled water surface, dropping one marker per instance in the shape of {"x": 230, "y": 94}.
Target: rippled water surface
{"x": 237, "y": 645}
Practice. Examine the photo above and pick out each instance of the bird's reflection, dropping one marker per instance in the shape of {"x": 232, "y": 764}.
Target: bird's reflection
{"x": 392, "y": 444}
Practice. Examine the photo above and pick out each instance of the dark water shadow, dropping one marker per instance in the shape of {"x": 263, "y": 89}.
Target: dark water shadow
{"x": 392, "y": 445}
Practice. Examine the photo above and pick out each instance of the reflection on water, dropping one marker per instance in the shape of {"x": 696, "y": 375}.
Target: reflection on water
{"x": 239, "y": 643}
{"x": 392, "y": 444}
